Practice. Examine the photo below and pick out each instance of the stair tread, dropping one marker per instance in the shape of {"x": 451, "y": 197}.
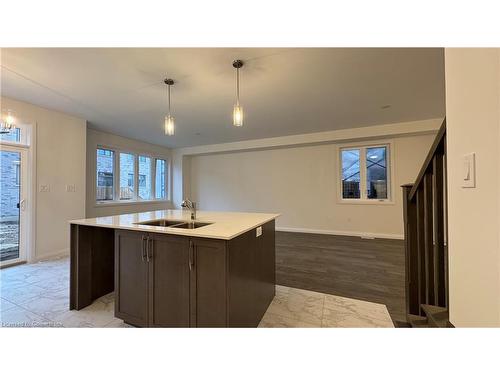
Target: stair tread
{"x": 437, "y": 316}
{"x": 433, "y": 309}
{"x": 417, "y": 321}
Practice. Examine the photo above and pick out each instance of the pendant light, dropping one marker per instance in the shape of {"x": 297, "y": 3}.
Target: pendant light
{"x": 9, "y": 124}
{"x": 169, "y": 119}
{"x": 238, "y": 109}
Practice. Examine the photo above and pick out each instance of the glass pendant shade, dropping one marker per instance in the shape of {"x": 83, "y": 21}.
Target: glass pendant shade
{"x": 8, "y": 124}
{"x": 169, "y": 125}
{"x": 169, "y": 119}
{"x": 9, "y": 121}
{"x": 238, "y": 115}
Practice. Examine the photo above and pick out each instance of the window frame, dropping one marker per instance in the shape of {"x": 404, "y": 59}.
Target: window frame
{"x": 152, "y": 170}
{"x": 96, "y": 178}
{"x": 116, "y": 177}
{"x": 165, "y": 178}
{"x": 362, "y": 147}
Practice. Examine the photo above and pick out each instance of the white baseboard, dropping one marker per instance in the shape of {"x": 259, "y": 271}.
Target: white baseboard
{"x": 53, "y": 254}
{"x": 392, "y": 236}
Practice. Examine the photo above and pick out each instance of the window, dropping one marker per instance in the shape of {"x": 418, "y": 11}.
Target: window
{"x": 142, "y": 180}
{"x": 105, "y": 175}
{"x": 127, "y": 172}
{"x": 138, "y": 177}
{"x": 160, "y": 179}
{"x": 13, "y": 136}
{"x": 144, "y": 177}
{"x": 350, "y": 174}
{"x": 105, "y": 179}
{"x": 364, "y": 173}
{"x": 376, "y": 172}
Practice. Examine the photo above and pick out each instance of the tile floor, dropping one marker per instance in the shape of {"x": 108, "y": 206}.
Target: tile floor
{"x": 37, "y": 295}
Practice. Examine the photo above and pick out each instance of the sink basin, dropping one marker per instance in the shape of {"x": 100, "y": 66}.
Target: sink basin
{"x": 191, "y": 225}
{"x": 162, "y": 223}
{"x": 175, "y": 224}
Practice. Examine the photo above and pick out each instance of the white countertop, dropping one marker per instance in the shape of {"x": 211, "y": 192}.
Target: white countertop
{"x": 226, "y": 225}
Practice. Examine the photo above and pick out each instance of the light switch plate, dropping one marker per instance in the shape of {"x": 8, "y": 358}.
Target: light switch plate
{"x": 258, "y": 232}
{"x": 469, "y": 171}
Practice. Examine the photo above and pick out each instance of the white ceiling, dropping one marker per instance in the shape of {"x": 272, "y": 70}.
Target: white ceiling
{"x": 283, "y": 91}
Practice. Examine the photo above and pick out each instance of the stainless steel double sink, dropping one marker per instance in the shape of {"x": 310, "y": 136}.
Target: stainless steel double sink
{"x": 175, "y": 224}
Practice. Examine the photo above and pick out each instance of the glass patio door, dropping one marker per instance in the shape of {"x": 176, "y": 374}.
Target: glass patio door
{"x": 13, "y": 210}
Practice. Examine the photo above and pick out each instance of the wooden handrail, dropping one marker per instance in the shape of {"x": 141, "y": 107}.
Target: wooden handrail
{"x": 428, "y": 160}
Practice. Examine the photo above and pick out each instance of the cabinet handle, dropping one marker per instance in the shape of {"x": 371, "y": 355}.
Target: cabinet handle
{"x": 191, "y": 256}
{"x": 143, "y": 249}
{"x": 150, "y": 249}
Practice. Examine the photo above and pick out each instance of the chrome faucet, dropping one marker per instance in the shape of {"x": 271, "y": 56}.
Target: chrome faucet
{"x": 186, "y": 203}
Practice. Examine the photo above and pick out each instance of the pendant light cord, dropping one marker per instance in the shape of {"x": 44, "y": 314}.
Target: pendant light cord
{"x": 238, "y": 86}
{"x": 168, "y": 88}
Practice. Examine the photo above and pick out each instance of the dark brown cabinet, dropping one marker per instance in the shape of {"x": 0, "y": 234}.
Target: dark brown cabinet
{"x": 167, "y": 280}
{"x": 170, "y": 281}
{"x": 169, "y": 275}
{"x": 208, "y": 280}
{"x": 131, "y": 277}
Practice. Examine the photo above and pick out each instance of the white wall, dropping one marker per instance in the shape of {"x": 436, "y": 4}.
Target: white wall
{"x": 473, "y": 125}
{"x": 60, "y": 160}
{"x": 96, "y": 138}
{"x": 301, "y": 182}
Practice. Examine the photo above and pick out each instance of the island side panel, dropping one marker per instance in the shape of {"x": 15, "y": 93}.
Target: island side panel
{"x": 91, "y": 264}
{"x": 80, "y": 268}
{"x": 103, "y": 261}
{"x": 251, "y": 280}
{"x": 266, "y": 268}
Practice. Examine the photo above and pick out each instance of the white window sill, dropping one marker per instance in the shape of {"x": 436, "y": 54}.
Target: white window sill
{"x": 369, "y": 202}
{"x": 130, "y": 202}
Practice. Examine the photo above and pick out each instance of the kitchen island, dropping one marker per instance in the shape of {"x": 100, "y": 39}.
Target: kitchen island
{"x": 170, "y": 271}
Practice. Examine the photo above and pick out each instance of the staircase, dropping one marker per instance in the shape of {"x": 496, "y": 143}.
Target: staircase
{"x": 426, "y": 251}
{"x": 435, "y": 317}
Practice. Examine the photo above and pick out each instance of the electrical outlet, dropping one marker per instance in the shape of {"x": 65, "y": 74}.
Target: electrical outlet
{"x": 258, "y": 232}
{"x": 70, "y": 188}
{"x": 44, "y": 188}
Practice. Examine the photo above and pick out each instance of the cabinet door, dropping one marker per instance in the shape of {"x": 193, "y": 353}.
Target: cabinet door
{"x": 208, "y": 283}
{"x": 169, "y": 281}
{"x": 131, "y": 278}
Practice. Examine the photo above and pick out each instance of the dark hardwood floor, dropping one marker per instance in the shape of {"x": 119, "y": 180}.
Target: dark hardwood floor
{"x": 370, "y": 270}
